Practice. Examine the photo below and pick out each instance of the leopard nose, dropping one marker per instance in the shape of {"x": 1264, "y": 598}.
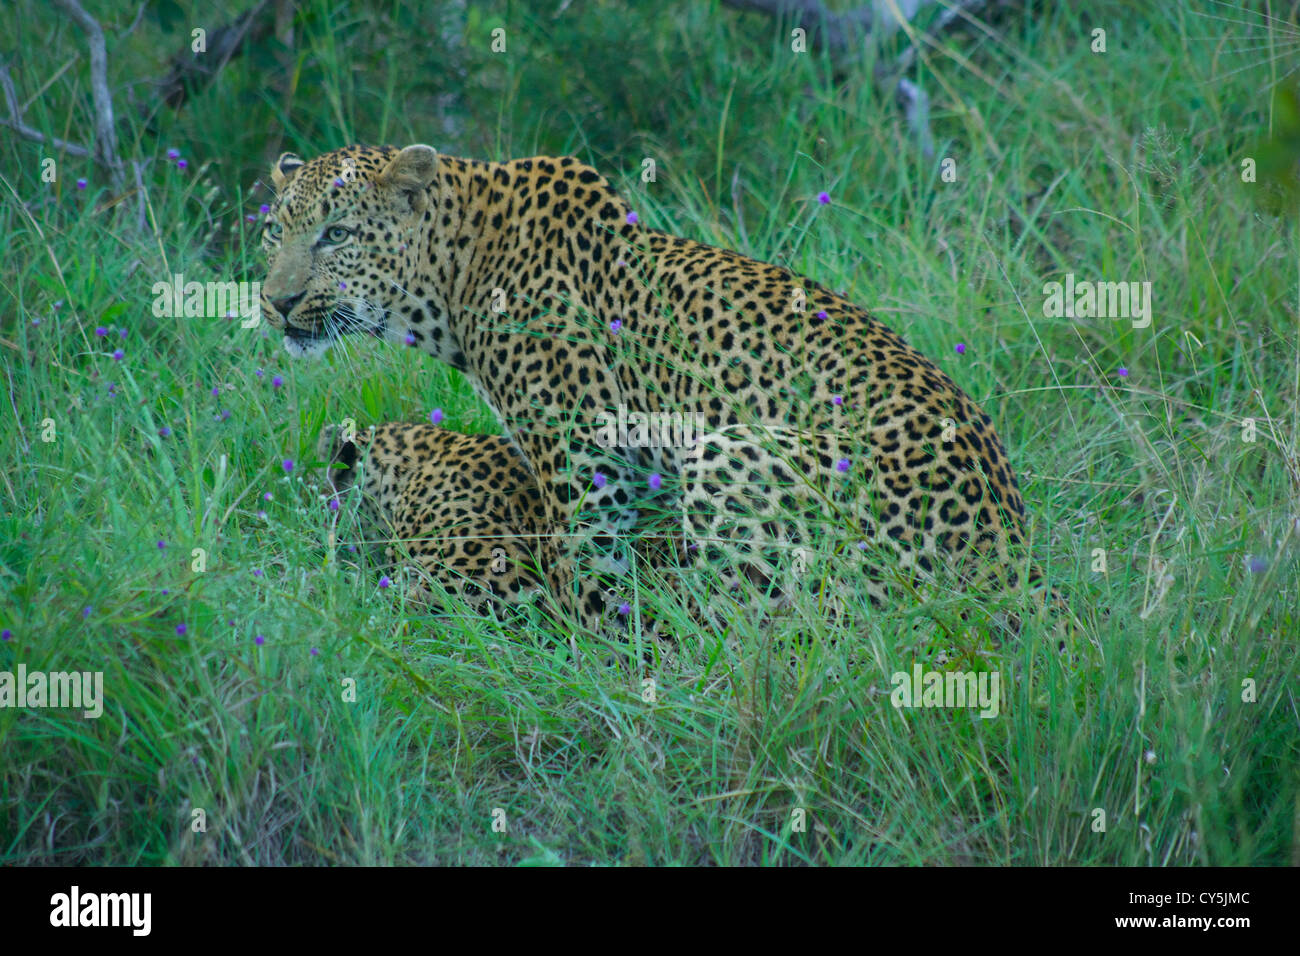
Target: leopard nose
{"x": 285, "y": 306}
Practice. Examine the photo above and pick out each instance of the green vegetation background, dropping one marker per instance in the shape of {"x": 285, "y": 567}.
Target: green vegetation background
{"x": 1175, "y": 714}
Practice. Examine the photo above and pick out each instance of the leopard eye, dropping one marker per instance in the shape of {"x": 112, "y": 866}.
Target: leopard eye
{"x": 274, "y": 230}
{"x": 337, "y": 234}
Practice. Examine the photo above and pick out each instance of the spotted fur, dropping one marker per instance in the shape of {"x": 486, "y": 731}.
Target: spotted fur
{"x": 461, "y": 509}
{"x": 537, "y": 280}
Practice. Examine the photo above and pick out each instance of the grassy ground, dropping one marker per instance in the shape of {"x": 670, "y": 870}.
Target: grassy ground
{"x": 1175, "y": 715}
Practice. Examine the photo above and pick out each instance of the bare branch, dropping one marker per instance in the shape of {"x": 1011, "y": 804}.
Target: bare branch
{"x": 105, "y": 127}
{"x": 916, "y": 107}
{"x": 224, "y": 43}
{"x": 15, "y": 122}
{"x": 953, "y": 10}
{"x": 139, "y": 15}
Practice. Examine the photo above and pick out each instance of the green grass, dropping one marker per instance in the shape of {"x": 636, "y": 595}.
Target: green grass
{"x": 1122, "y": 166}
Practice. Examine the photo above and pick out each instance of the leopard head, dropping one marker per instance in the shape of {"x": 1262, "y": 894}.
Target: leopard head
{"x": 340, "y": 242}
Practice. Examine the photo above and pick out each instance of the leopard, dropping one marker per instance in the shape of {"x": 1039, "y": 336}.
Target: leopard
{"x": 462, "y": 511}
{"x": 459, "y": 510}
{"x": 815, "y": 424}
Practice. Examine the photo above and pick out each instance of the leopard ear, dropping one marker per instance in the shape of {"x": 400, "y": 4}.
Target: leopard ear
{"x": 411, "y": 172}
{"x": 285, "y": 168}
{"x": 339, "y": 454}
